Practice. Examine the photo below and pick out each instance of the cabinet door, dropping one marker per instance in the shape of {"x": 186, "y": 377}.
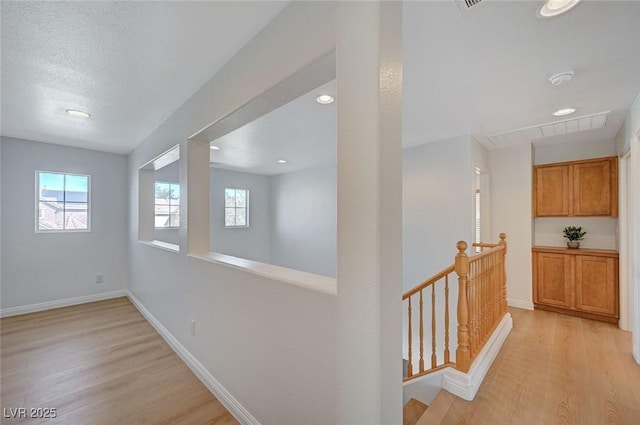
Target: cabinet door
{"x": 596, "y": 285}
{"x": 592, "y": 188}
{"x": 552, "y": 192}
{"x": 554, "y": 279}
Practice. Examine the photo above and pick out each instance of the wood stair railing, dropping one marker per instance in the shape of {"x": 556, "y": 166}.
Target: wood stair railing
{"x": 481, "y": 304}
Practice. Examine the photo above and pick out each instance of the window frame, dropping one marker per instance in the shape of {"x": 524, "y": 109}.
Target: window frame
{"x": 246, "y": 208}
{"x": 178, "y": 204}
{"x": 37, "y": 203}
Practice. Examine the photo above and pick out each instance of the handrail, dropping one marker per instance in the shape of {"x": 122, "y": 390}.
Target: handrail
{"x": 481, "y": 304}
{"x": 428, "y": 282}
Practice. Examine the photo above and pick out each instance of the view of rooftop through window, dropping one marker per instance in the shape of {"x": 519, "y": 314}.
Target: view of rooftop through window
{"x": 167, "y": 205}
{"x": 63, "y": 201}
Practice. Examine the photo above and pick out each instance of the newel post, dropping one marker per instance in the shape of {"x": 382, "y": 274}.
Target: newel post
{"x": 503, "y": 242}
{"x": 463, "y": 356}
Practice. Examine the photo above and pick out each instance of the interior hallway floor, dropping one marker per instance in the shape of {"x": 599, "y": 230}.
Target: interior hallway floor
{"x": 99, "y": 363}
{"x": 553, "y": 369}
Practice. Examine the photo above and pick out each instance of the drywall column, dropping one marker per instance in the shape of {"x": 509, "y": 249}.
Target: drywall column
{"x": 146, "y": 190}
{"x": 194, "y": 208}
{"x": 635, "y": 242}
{"x": 368, "y": 68}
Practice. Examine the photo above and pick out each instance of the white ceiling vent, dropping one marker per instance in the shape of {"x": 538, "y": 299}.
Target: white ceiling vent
{"x": 557, "y": 128}
{"x": 466, "y": 4}
{"x": 470, "y": 3}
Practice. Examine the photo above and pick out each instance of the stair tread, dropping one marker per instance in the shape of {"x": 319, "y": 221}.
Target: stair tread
{"x": 438, "y": 409}
{"x": 412, "y": 411}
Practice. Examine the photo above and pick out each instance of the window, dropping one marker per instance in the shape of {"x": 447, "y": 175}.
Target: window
{"x": 167, "y": 205}
{"x": 62, "y": 202}
{"x": 236, "y": 207}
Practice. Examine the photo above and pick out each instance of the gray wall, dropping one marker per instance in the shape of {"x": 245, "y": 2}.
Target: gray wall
{"x": 41, "y": 267}
{"x": 437, "y": 206}
{"x": 254, "y": 241}
{"x": 303, "y": 214}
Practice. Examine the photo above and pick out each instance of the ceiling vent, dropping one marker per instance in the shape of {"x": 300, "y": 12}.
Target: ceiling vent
{"x": 470, "y": 3}
{"x": 557, "y": 128}
{"x": 466, "y": 4}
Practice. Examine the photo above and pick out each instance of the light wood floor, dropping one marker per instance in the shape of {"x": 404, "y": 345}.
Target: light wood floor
{"x": 99, "y": 363}
{"x": 554, "y": 369}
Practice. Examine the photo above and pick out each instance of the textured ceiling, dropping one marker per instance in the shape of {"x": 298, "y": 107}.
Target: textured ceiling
{"x": 481, "y": 71}
{"x": 485, "y": 70}
{"x": 129, "y": 64}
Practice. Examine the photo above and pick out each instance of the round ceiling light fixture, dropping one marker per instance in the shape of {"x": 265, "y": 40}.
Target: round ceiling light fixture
{"x": 214, "y": 148}
{"x": 561, "y": 78}
{"x": 324, "y": 99}
{"x": 282, "y": 161}
{"x": 564, "y": 111}
{"x": 76, "y": 113}
{"x": 552, "y": 8}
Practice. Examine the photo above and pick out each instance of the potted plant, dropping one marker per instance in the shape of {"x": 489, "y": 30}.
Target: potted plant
{"x": 574, "y": 235}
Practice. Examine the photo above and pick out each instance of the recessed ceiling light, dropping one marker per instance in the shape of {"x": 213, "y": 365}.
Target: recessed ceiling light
{"x": 552, "y": 8}
{"x": 324, "y": 99}
{"x": 282, "y": 161}
{"x": 564, "y": 111}
{"x": 76, "y": 113}
{"x": 214, "y": 148}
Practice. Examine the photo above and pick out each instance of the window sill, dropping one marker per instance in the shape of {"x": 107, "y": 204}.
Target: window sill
{"x": 162, "y": 245}
{"x": 315, "y": 282}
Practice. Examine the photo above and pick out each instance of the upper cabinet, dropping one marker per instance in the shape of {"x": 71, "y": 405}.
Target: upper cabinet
{"x": 586, "y": 188}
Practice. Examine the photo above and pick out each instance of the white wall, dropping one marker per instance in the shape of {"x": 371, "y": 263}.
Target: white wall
{"x": 271, "y": 345}
{"x": 511, "y": 210}
{"x": 303, "y": 234}
{"x": 45, "y": 267}
{"x": 573, "y": 151}
{"x": 254, "y": 242}
{"x": 437, "y": 206}
{"x": 631, "y": 125}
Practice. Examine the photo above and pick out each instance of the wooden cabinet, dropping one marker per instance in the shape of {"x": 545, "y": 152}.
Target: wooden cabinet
{"x": 576, "y": 188}
{"x": 581, "y": 282}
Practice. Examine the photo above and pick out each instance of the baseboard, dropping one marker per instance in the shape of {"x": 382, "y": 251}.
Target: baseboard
{"x": 527, "y": 305}
{"x": 32, "y": 308}
{"x": 241, "y": 414}
{"x": 465, "y": 385}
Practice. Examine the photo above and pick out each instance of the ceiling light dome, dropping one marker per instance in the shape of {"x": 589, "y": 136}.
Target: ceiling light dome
{"x": 552, "y": 8}
{"x": 564, "y": 111}
{"x": 76, "y": 113}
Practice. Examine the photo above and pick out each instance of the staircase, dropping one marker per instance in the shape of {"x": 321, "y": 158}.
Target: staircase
{"x": 413, "y": 411}
{"x": 455, "y": 323}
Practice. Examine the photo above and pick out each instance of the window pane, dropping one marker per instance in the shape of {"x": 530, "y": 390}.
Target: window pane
{"x": 241, "y": 198}
{"x": 51, "y": 187}
{"x": 241, "y": 217}
{"x": 175, "y": 191}
{"x": 50, "y": 216}
{"x": 174, "y": 219}
{"x": 162, "y": 191}
{"x": 75, "y": 216}
{"x": 229, "y": 198}
{"x": 230, "y": 217}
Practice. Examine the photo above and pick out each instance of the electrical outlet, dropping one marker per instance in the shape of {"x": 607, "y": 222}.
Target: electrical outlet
{"x": 193, "y": 327}
{"x": 99, "y": 278}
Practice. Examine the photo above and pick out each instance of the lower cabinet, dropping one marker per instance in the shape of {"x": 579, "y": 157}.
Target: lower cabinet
{"x": 580, "y": 282}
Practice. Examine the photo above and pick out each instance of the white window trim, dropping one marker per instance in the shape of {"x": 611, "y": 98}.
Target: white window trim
{"x": 37, "y": 204}
{"x": 247, "y": 199}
